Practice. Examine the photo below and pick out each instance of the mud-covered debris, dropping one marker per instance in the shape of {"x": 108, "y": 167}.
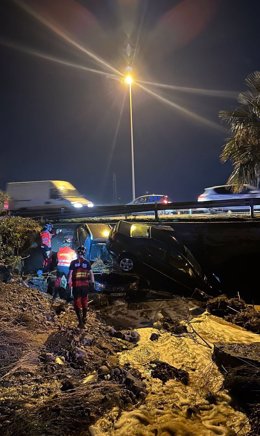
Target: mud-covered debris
{"x": 196, "y": 311}
{"x": 165, "y": 372}
{"x": 45, "y": 360}
{"x": 79, "y": 355}
{"x": 240, "y": 365}
{"x": 103, "y": 370}
{"x": 248, "y": 319}
{"x": 236, "y": 311}
{"x": 70, "y": 412}
{"x": 13, "y": 344}
{"x": 59, "y": 307}
{"x": 154, "y": 337}
{"x": 243, "y": 383}
{"x": 88, "y": 340}
{"x": 47, "y": 357}
{"x": 211, "y": 398}
{"x": 254, "y": 418}
{"x": 174, "y": 327}
{"x": 129, "y": 335}
{"x": 232, "y": 355}
{"x": 67, "y": 385}
{"x": 5, "y": 274}
{"x": 223, "y": 306}
{"x": 130, "y": 377}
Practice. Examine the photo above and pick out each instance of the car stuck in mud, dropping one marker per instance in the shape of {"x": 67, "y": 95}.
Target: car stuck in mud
{"x": 155, "y": 254}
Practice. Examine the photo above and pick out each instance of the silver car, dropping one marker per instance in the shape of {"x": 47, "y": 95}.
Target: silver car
{"x": 226, "y": 192}
{"x": 151, "y": 199}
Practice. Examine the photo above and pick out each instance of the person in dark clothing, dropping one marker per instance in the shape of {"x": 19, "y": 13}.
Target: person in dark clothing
{"x": 81, "y": 279}
{"x": 60, "y": 287}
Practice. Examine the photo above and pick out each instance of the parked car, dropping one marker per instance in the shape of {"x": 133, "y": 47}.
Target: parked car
{"x": 226, "y": 192}
{"x": 150, "y": 199}
{"x": 154, "y": 252}
{"x": 92, "y": 236}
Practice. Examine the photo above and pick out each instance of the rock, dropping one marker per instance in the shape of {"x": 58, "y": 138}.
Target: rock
{"x": 159, "y": 316}
{"x": 103, "y": 370}
{"x": 48, "y": 357}
{"x": 196, "y": 311}
{"x": 80, "y": 355}
{"x": 88, "y": 340}
{"x": 5, "y": 274}
{"x": 113, "y": 361}
{"x": 154, "y": 337}
{"x": 157, "y": 325}
{"x": 59, "y": 308}
{"x": 165, "y": 372}
{"x": 67, "y": 385}
{"x": 232, "y": 355}
{"x": 243, "y": 383}
{"x": 222, "y": 306}
{"x": 240, "y": 364}
{"x": 134, "y": 337}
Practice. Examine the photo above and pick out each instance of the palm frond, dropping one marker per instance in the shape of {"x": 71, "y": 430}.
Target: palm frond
{"x": 242, "y": 148}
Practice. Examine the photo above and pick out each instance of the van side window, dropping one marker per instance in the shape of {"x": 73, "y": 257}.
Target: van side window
{"x": 54, "y": 194}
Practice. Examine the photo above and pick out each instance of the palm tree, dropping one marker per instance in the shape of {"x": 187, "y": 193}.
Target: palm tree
{"x": 243, "y": 146}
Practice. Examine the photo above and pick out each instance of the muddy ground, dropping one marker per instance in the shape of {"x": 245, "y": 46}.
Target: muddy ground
{"x": 142, "y": 368}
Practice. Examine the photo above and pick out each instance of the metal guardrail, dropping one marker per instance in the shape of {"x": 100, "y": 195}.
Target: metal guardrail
{"x": 126, "y": 210}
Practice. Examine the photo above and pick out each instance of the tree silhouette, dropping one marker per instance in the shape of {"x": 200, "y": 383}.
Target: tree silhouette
{"x": 243, "y": 146}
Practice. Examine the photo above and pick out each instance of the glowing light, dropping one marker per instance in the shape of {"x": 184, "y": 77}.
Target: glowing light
{"x": 77, "y": 205}
{"x": 182, "y": 109}
{"x": 128, "y": 79}
{"x": 59, "y": 31}
{"x": 208, "y": 92}
{"x": 105, "y": 233}
{"x": 36, "y": 53}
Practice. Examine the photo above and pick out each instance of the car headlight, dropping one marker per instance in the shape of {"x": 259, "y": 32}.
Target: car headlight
{"x": 90, "y": 204}
{"x": 77, "y": 205}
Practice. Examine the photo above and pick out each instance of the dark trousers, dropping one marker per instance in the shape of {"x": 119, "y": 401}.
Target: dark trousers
{"x": 80, "y": 295}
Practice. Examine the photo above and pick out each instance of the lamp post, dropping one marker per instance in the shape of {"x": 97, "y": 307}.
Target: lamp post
{"x": 129, "y": 81}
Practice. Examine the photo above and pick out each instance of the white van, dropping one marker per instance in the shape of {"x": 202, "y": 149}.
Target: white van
{"x": 45, "y": 194}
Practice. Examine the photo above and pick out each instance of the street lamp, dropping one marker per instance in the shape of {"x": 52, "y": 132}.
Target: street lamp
{"x": 128, "y": 79}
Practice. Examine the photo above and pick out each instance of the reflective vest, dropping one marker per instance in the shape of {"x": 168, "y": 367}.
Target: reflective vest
{"x": 80, "y": 272}
{"x": 46, "y": 238}
{"x": 65, "y": 255}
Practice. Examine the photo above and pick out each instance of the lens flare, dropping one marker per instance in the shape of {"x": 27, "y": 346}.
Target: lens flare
{"x": 60, "y": 32}
{"x": 36, "y": 53}
{"x": 208, "y": 92}
{"x": 182, "y": 109}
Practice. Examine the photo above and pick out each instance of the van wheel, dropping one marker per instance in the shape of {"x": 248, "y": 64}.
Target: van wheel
{"x": 126, "y": 263}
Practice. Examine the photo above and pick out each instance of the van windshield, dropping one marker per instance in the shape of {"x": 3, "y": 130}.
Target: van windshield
{"x": 61, "y": 193}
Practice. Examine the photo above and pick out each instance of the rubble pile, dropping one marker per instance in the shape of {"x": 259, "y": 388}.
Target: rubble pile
{"x": 55, "y": 378}
{"x": 236, "y": 311}
{"x": 58, "y": 380}
{"x": 163, "y": 371}
{"x": 240, "y": 364}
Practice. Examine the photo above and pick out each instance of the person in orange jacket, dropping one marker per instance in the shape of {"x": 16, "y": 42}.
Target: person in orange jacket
{"x": 65, "y": 256}
{"x": 46, "y": 238}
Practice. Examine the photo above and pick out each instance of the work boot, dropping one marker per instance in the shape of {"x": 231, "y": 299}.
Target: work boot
{"x": 84, "y": 318}
{"x": 79, "y": 315}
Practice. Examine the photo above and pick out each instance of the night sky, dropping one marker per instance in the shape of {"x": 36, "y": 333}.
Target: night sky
{"x": 63, "y": 122}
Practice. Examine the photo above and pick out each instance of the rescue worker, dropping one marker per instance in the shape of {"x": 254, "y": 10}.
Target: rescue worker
{"x": 60, "y": 287}
{"x": 46, "y": 237}
{"x": 81, "y": 278}
{"x": 65, "y": 256}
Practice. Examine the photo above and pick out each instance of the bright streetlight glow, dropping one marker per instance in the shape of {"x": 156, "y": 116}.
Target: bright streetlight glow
{"x": 128, "y": 79}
